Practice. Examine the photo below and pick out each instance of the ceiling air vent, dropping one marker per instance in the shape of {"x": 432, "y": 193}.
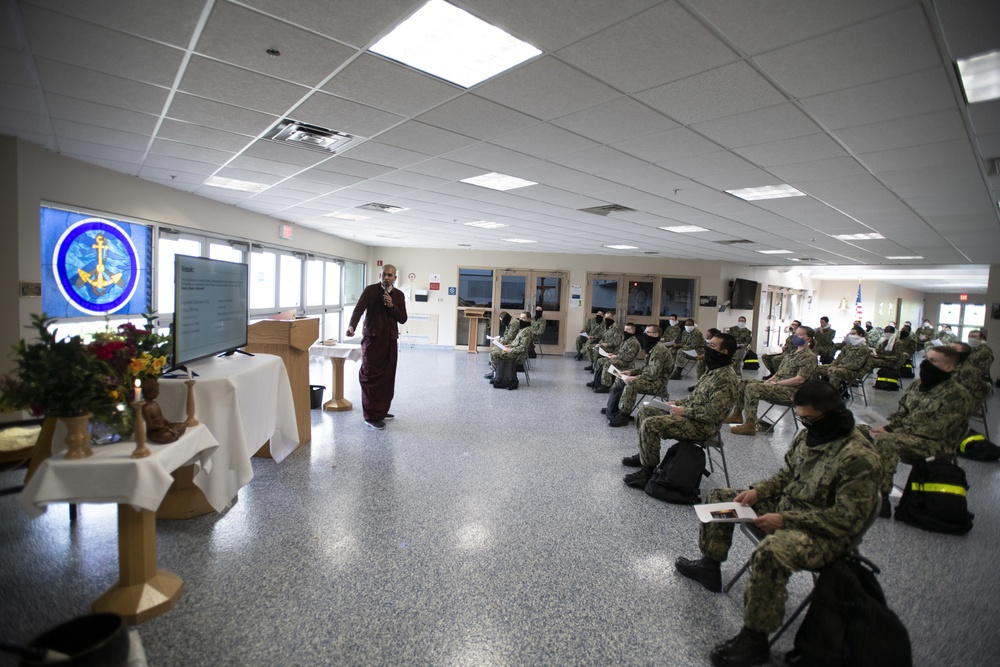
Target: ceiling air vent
{"x": 313, "y": 137}
{"x": 609, "y": 209}
{"x": 383, "y": 208}
{"x": 732, "y": 242}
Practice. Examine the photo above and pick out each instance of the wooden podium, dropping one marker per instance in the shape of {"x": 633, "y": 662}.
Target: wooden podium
{"x": 290, "y": 340}
{"x": 474, "y": 315}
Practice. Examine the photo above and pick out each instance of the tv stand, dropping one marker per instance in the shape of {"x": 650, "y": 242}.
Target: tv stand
{"x": 229, "y": 353}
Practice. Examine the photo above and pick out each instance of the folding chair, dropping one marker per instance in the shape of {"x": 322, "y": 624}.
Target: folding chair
{"x": 857, "y": 385}
{"x": 979, "y": 413}
{"x": 659, "y": 393}
{"x": 715, "y": 442}
{"x": 521, "y": 364}
{"x": 756, "y": 536}
{"x": 688, "y": 365}
{"x": 765, "y": 425}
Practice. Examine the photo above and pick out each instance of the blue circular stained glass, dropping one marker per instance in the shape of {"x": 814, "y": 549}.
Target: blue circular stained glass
{"x": 96, "y": 266}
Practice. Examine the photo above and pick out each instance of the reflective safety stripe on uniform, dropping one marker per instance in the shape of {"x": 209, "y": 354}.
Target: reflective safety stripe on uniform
{"x": 972, "y": 438}
{"x": 938, "y": 488}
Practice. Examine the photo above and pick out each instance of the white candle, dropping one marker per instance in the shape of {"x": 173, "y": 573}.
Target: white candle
{"x": 190, "y": 375}
{"x": 138, "y": 390}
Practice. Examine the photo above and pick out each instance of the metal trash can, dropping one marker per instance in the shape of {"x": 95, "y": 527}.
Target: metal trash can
{"x": 316, "y": 396}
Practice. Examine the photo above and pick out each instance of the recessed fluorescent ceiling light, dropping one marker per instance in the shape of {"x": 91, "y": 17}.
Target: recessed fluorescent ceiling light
{"x": 684, "y": 229}
{"x": 450, "y": 43}
{"x": 518, "y": 240}
{"x": 496, "y": 181}
{"x": 858, "y": 237}
{"x": 622, "y": 247}
{"x": 767, "y": 192}
{"x": 981, "y": 76}
{"x": 236, "y": 184}
{"x": 347, "y": 216}
{"x": 775, "y": 252}
{"x": 483, "y": 224}
{"x": 905, "y": 257}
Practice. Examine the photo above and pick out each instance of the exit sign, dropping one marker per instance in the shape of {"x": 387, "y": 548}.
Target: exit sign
{"x": 963, "y": 297}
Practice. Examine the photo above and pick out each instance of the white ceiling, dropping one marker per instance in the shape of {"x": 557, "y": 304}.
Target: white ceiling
{"x": 657, "y": 106}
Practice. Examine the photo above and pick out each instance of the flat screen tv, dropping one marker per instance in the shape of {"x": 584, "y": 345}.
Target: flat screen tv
{"x": 210, "y": 307}
{"x": 744, "y": 294}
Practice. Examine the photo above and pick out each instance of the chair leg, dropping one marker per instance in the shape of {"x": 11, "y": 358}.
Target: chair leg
{"x": 725, "y": 467}
{"x": 736, "y": 577}
{"x": 791, "y": 619}
{"x": 72, "y": 512}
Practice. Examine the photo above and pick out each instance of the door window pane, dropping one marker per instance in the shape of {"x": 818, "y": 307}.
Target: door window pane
{"x": 331, "y": 326}
{"x": 950, "y": 313}
{"x": 603, "y": 294}
{"x": 676, "y": 297}
{"x": 548, "y": 293}
{"x": 331, "y": 293}
{"x": 354, "y": 281}
{"x": 513, "y": 290}
{"x": 290, "y": 282}
{"x": 167, "y": 248}
{"x": 314, "y": 282}
{"x": 975, "y": 315}
{"x": 475, "y": 288}
{"x": 262, "y": 279}
{"x": 640, "y": 298}
{"x": 225, "y": 252}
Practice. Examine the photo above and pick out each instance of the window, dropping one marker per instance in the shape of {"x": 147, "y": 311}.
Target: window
{"x": 475, "y": 288}
{"x": 331, "y": 291}
{"x": 354, "y": 281}
{"x": 226, "y": 252}
{"x": 314, "y": 282}
{"x": 262, "y": 279}
{"x": 289, "y": 281}
{"x": 168, "y": 247}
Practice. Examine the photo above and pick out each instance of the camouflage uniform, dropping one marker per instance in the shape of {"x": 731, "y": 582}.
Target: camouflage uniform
{"x": 825, "y": 494}
{"x": 925, "y": 334}
{"x": 773, "y": 361}
{"x": 854, "y": 361}
{"x": 873, "y": 337}
{"x": 945, "y": 338}
{"x": 589, "y": 327}
{"x": 798, "y": 363}
{"x": 744, "y": 337}
{"x": 611, "y": 340}
{"x": 624, "y": 357}
{"x": 538, "y": 326}
{"x": 971, "y": 380}
{"x": 982, "y": 358}
{"x": 907, "y": 346}
{"x": 651, "y": 380}
{"x": 596, "y": 337}
{"x": 824, "y": 341}
{"x": 510, "y": 333}
{"x": 690, "y": 340}
{"x": 517, "y": 348}
{"x": 704, "y": 410}
{"x": 893, "y": 359}
{"x": 926, "y": 424}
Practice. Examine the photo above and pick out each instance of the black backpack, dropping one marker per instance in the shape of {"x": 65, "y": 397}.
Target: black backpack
{"x": 848, "y": 623}
{"x": 975, "y": 446}
{"x": 934, "y": 498}
{"x": 750, "y": 362}
{"x": 887, "y": 379}
{"x": 505, "y": 375}
{"x": 907, "y": 370}
{"x": 678, "y": 477}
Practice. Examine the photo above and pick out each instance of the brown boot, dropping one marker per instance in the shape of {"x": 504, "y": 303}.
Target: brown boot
{"x": 735, "y": 417}
{"x": 749, "y": 427}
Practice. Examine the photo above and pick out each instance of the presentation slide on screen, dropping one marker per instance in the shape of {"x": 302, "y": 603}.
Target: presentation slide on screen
{"x": 211, "y": 302}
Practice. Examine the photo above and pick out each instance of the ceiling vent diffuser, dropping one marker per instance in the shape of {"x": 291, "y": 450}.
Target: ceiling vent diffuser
{"x": 609, "y": 209}
{"x": 732, "y": 242}
{"x": 383, "y": 208}
{"x": 313, "y": 137}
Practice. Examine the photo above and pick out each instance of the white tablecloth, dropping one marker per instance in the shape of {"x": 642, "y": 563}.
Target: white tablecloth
{"x": 244, "y": 401}
{"x": 112, "y": 476}
{"x": 340, "y": 350}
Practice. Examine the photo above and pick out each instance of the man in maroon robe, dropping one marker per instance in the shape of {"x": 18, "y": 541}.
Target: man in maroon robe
{"x": 385, "y": 309}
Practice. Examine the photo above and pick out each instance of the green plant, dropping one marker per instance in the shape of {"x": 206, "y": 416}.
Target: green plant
{"x": 55, "y": 378}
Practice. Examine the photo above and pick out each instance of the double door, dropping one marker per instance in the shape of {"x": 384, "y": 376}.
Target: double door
{"x": 641, "y": 299}
{"x": 516, "y": 290}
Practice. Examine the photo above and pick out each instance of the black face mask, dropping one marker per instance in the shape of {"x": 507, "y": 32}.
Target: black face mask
{"x": 931, "y": 376}
{"x": 962, "y": 356}
{"x": 524, "y": 324}
{"x": 905, "y": 333}
{"x": 504, "y": 319}
{"x": 538, "y": 314}
{"x": 649, "y": 341}
{"x": 716, "y": 359}
{"x": 832, "y": 425}
{"x": 599, "y": 318}
{"x": 628, "y": 335}
{"x": 609, "y": 323}
{"x": 868, "y": 327}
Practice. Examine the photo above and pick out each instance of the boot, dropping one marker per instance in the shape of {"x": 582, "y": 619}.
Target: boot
{"x": 588, "y": 368}
{"x": 749, "y": 427}
{"x": 602, "y": 389}
{"x": 886, "y": 511}
{"x": 735, "y": 417}
{"x": 618, "y": 419}
{"x": 632, "y": 461}
{"x": 591, "y": 384}
{"x": 639, "y": 478}
{"x": 676, "y": 375}
{"x": 705, "y": 571}
{"x": 745, "y": 649}
{"x": 578, "y": 357}
{"x": 604, "y": 411}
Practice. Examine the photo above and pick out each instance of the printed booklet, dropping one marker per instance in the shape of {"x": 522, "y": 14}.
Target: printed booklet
{"x": 724, "y": 513}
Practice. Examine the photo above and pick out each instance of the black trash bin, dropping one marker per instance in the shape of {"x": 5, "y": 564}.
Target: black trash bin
{"x": 316, "y": 396}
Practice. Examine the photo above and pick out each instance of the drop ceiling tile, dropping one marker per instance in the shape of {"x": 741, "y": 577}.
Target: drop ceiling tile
{"x": 386, "y": 155}
{"x": 412, "y": 180}
{"x": 821, "y": 169}
{"x": 173, "y": 22}
{"x": 188, "y": 152}
{"x": 617, "y": 120}
{"x": 544, "y": 141}
{"x": 905, "y": 132}
{"x": 196, "y": 135}
{"x": 114, "y": 165}
{"x": 178, "y": 165}
{"x": 241, "y": 37}
{"x": 64, "y": 39}
{"x": 239, "y": 87}
{"x": 600, "y": 160}
{"x": 476, "y": 117}
{"x": 677, "y": 143}
{"x": 211, "y": 114}
{"x": 707, "y": 164}
{"x": 170, "y": 176}
{"x": 62, "y": 79}
{"x": 973, "y": 22}
{"x": 738, "y": 179}
{"x": 290, "y": 154}
{"x": 14, "y": 68}
{"x": 913, "y": 157}
{"x": 356, "y": 24}
{"x": 249, "y": 175}
{"x": 25, "y": 124}
{"x": 424, "y": 138}
{"x": 345, "y": 165}
{"x": 783, "y": 121}
{"x": 725, "y": 91}
{"x": 88, "y": 150}
{"x": 891, "y": 45}
{"x": 99, "y": 135}
{"x": 377, "y": 82}
{"x": 269, "y": 196}
{"x": 223, "y": 194}
{"x": 343, "y": 115}
{"x": 299, "y": 190}
{"x": 546, "y": 89}
{"x": 985, "y": 116}
{"x": 788, "y": 151}
{"x": 20, "y": 98}
{"x": 271, "y": 167}
{"x": 660, "y": 45}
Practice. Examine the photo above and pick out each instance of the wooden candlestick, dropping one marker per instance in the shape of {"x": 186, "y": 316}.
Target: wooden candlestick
{"x": 140, "y": 451}
{"x": 190, "y": 421}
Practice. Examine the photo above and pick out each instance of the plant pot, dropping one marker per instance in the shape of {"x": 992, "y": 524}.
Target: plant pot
{"x": 77, "y": 436}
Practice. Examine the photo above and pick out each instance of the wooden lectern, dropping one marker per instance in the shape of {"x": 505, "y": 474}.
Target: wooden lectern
{"x": 474, "y": 315}
{"x": 290, "y": 340}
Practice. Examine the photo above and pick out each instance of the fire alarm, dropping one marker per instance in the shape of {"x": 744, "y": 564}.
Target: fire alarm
{"x": 378, "y": 263}
{"x": 285, "y": 231}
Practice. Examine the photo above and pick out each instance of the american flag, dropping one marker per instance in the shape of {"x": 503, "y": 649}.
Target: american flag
{"x": 857, "y": 305}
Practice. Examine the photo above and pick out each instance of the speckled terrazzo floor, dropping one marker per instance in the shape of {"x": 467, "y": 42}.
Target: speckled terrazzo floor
{"x": 482, "y": 527}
